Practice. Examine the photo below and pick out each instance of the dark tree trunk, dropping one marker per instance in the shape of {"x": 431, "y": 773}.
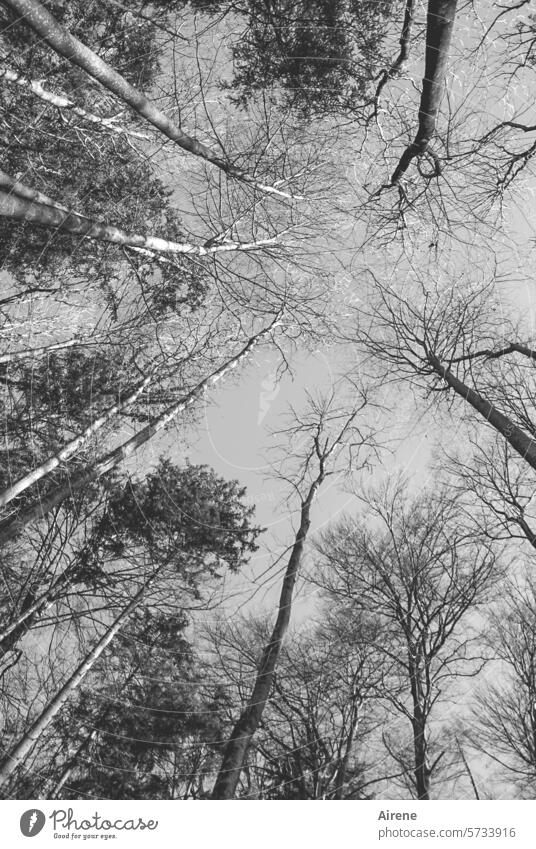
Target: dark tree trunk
{"x": 439, "y": 27}
{"x": 237, "y": 747}
{"x": 522, "y": 443}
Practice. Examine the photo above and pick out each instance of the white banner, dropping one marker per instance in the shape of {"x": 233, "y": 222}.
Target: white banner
{"x": 265, "y": 825}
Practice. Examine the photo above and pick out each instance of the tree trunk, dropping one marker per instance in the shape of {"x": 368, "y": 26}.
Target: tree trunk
{"x": 61, "y": 101}
{"x": 73, "y": 446}
{"x": 64, "y": 43}
{"x": 25, "y": 746}
{"x": 66, "y": 773}
{"x": 514, "y": 435}
{"x": 11, "y": 527}
{"x": 32, "y": 608}
{"x": 57, "y": 217}
{"x": 421, "y": 769}
{"x": 61, "y": 40}
{"x": 439, "y": 27}
{"x": 403, "y": 54}
{"x": 248, "y": 722}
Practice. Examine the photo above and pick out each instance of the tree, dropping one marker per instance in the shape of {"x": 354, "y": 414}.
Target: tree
{"x": 322, "y": 56}
{"x": 67, "y": 45}
{"x": 170, "y": 535}
{"x": 329, "y": 432}
{"x": 411, "y": 565}
{"x": 20, "y": 206}
{"x": 12, "y": 526}
{"x": 445, "y": 340}
{"x": 143, "y": 726}
{"x": 186, "y": 515}
{"x": 310, "y": 741}
{"x": 504, "y": 718}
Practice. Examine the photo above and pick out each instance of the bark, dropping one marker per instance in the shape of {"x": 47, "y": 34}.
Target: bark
{"x": 248, "y": 722}
{"x": 66, "y": 45}
{"x": 31, "y": 610}
{"x": 439, "y": 27}
{"x": 52, "y": 463}
{"x": 9, "y": 185}
{"x": 26, "y": 744}
{"x": 58, "y": 217}
{"x": 514, "y": 435}
{"x": 421, "y": 770}
{"x": 11, "y": 527}
{"x": 61, "y": 101}
{"x": 56, "y": 786}
{"x": 28, "y": 353}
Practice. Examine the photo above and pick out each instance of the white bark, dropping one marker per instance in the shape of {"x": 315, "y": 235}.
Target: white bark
{"x": 27, "y": 353}
{"x": 65, "y": 44}
{"x": 52, "y": 462}
{"x": 12, "y": 526}
{"x": 61, "y": 101}
{"x": 48, "y": 213}
{"x": 26, "y": 744}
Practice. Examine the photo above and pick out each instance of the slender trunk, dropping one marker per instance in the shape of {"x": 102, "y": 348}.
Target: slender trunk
{"x": 66, "y": 45}
{"x": 26, "y": 744}
{"x": 32, "y": 609}
{"x": 61, "y": 101}
{"x": 66, "y": 773}
{"x": 340, "y": 775}
{"x": 72, "y": 762}
{"x": 58, "y": 217}
{"x": 52, "y": 463}
{"x": 25, "y": 354}
{"x": 63, "y": 42}
{"x": 249, "y": 720}
{"x": 10, "y": 186}
{"x": 421, "y": 769}
{"x": 11, "y": 527}
{"x": 439, "y": 27}
{"x": 514, "y": 435}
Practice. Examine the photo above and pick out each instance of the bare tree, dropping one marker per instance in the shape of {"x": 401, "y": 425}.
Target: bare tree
{"x": 310, "y": 742}
{"x": 327, "y": 436}
{"x": 455, "y": 343}
{"x": 503, "y": 725}
{"x": 412, "y": 565}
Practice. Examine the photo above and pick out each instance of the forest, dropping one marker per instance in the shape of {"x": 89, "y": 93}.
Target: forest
{"x": 268, "y": 382}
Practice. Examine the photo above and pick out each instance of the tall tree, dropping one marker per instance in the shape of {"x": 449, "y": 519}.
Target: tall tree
{"x": 503, "y": 725}
{"x": 171, "y": 534}
{"x": 111, "y": 460}
{"x": 311, "y": 741}
{"x": 330, "y": 433}
{"x": 412, "y": 565}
